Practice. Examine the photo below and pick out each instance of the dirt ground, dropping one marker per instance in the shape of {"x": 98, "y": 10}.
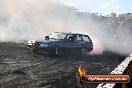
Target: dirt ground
{"x": 21, "y": 68}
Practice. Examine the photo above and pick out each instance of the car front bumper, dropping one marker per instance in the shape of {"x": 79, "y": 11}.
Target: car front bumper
{"x": 40, "y": 49}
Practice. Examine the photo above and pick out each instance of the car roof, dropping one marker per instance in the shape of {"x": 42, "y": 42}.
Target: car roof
{"x": 70, "y": 33}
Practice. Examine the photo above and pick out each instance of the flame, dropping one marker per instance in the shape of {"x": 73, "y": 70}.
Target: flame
{"x": 81, "y": 71}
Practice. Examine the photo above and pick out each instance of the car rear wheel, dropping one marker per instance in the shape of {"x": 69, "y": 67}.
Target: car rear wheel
{"x": 84, "y": 51}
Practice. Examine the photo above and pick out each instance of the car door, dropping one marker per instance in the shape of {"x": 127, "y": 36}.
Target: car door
{"x": 68, "y": 43}
{"x": 73, "y": 43}
{"x": 78, "y": 42}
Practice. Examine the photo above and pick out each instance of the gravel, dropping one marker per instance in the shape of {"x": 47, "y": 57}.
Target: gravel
{"x": 21, "y": 68}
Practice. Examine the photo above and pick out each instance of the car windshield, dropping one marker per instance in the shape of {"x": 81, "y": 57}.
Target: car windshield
{"x": 57, "y": 35}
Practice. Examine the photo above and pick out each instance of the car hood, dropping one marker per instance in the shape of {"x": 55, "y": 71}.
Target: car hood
{"x": 46, "y": 41}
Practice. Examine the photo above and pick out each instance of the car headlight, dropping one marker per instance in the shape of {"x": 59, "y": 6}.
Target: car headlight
{"x": 31, "y": 42}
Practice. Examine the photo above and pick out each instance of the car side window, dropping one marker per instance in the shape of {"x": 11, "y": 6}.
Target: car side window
{"x": 70, "y": 38}
{"x": 86, "y": 39}
{"x": 79, "y": 38}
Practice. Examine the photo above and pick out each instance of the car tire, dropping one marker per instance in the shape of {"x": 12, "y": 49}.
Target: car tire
{"x": 84, "y": 51}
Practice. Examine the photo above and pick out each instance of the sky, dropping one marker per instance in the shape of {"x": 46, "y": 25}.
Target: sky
{"x": 102, "y": 6}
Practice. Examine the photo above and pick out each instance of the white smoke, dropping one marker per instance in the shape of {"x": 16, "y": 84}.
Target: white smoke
{"x": 33, "y": 19}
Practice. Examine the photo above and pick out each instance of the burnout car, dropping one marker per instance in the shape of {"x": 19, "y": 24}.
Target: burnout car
{"x": 60, "y": 42}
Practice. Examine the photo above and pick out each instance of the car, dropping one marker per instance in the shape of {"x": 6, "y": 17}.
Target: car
{"x": 61, "y": 42}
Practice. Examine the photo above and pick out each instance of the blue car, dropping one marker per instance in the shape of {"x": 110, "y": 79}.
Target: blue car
{"x": 61, "y": 42}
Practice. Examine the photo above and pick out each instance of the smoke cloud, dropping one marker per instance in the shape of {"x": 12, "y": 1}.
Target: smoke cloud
{"x": 33, "y": 19}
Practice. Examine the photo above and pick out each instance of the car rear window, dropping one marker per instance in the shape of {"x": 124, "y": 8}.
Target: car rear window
{"x": 86, "y": 38}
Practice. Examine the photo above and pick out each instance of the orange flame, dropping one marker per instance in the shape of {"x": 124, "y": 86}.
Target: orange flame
{"x": 81, "y": 71}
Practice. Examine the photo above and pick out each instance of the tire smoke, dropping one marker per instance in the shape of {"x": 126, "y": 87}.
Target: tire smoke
{"x": 32, "y": 19}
